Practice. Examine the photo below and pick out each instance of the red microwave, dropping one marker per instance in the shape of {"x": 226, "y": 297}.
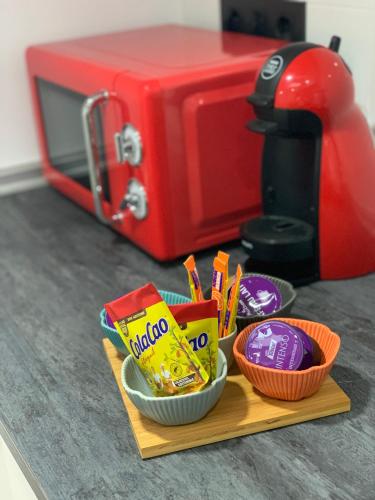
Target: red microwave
{"x": 146, "y": 129}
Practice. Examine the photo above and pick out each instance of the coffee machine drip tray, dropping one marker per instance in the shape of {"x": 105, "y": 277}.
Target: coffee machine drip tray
{"x": 281, "y": 246}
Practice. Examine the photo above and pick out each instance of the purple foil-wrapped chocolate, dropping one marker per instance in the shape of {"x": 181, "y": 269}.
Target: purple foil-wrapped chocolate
{"x": 308, "y": 349}
{"x": 311, "y": 350}
{"x": 275, "y": 344}
{"x": 109, "y": 321}
{"x": 258, "y": 296}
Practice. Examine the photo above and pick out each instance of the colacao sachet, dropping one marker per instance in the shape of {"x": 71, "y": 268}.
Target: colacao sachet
{"x": 154, "y": 339}
{"x": 198, "y": 322}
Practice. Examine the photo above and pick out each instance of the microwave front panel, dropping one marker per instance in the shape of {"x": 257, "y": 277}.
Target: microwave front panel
{"x": 145, "y": 112}
{"x": 223, "y": 157}
{"x": 214, "y": 162}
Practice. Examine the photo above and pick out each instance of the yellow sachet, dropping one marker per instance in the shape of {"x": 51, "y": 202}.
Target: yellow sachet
{"x": 154, "y": 339}
{"x": 198, "y": 321}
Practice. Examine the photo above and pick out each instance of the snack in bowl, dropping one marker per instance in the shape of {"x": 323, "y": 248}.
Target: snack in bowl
{"x": 288, "y": 297}
{"x": 259, "y": 296}
{"x": 172, "y": 410}
{"x": 312, "y": 354}
{"x": 290, "y": 385}
{"x": 219, "y": 277}
{"x": 276, "y": 344}
{"x": 198, "y": 322}
{"x": 232, "y": 304}
{"x": 171, "y": 298}
{"x": 193, "y": 278}
{"x": 157, "y": 344}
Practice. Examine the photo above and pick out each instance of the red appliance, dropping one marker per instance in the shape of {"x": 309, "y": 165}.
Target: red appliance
{"x": 318, "y": 169}
{"x": 145, "y": 129}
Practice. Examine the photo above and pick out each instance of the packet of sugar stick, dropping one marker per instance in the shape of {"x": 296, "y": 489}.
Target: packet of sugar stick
{"x": 231, "y": 313}
{"x": 225, "y": 259}
{"x": 156, "y": 342}
{"x": 218, "y": 286}
{"x": 193, "y": 277}
{"x": 198, "y": 322}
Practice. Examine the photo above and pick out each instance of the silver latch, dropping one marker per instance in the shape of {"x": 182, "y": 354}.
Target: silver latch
{"x": 129, "y": 145}
{"x": 135, "y": 201}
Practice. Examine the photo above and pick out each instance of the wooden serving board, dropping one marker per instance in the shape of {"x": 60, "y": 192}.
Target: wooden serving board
{"x": 241, "y": 410}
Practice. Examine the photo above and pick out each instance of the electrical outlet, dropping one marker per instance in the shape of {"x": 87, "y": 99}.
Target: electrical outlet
{"x": 284, "y": 19}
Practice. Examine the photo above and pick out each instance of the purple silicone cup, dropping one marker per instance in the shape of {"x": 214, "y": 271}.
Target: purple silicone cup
{"x": 311, "y": 350}
{"x": 275, "y": 344}
{"x": 259, "y": 296}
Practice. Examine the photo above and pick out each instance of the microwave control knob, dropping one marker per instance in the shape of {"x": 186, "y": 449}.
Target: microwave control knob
{"x": 135, "y": 200}
{"x": 129, "y": 145}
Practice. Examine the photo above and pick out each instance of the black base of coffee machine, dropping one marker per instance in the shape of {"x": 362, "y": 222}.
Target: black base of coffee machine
{"x": 281, "y": 246}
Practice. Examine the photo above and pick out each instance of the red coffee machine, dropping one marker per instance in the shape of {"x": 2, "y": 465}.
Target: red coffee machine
{"x": 318, "y": 169}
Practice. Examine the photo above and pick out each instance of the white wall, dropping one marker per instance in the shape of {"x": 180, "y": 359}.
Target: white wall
{"x": 353, "y": 20}
{"x": 202, "y": 13}
{"x": 26, "y": 22}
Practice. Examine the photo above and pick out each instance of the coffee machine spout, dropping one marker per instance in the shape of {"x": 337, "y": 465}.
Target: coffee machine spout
{"x": 262, "y": 126}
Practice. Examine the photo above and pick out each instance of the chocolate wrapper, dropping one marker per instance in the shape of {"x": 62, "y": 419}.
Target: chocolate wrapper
{"x": 154, "y": 339}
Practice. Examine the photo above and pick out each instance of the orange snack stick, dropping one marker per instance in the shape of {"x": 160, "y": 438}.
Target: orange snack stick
{"x": 217, "y": 290}
{"x": 194, "y": 281}
{"x": 224, "y": 257}
{"x": 231, "y": 313}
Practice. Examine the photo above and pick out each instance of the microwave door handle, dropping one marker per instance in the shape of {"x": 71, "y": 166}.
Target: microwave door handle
{"x": 87, "y": 115}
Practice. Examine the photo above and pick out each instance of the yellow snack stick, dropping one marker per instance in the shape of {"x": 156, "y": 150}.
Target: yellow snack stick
{"x": 154, "y": 339}
{"x": 218, "y": 285}
{"x": 193, "y": 277}
{"x": 198, "y": 321}
{"x": 231, "y": 313}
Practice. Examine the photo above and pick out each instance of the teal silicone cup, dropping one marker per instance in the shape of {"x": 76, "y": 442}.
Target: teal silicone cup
{"x": 171, "y": 410}
{"x": 112, "y": 334}
{"x": 170, "y": 298}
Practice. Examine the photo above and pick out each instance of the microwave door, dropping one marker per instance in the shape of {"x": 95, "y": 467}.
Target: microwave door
{"x": 79, "y": 132}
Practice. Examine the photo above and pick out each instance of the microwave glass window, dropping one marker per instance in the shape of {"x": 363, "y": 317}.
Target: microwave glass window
{"x": 61, "y": 113}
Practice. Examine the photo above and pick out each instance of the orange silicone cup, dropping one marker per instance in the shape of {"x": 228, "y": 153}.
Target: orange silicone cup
{"x": 285, "y": 384}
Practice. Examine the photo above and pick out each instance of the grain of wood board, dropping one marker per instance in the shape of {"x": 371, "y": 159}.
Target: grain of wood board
{"x": 241, "y": 410}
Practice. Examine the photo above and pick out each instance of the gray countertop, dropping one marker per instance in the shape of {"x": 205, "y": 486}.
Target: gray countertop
{"x": 60, "y": 410}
